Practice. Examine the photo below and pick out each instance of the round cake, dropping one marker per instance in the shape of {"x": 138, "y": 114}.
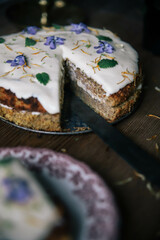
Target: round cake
{"x": 103, "y": 71}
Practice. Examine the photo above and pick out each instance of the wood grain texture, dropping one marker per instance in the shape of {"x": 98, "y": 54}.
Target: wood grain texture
{"x": 139, "y": 209}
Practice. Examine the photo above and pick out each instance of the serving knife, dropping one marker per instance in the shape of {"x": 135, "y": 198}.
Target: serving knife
{"x": 140, "y": 160}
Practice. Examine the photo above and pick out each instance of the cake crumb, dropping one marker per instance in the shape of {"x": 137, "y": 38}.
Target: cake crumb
{"x": 63, "y": 150}
{"x": 157, "y": 147}
{"x": 139, "y": 175}
{"x": 157, "y": 89}
{"x": 154, "y": 116}
{"x": 151, "y": 138}
{"x": 124, "y": 181}
{"x": 156, "y": 194}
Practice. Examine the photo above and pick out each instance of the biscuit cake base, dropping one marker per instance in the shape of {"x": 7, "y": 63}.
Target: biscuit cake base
{"x": 42, "y": 121}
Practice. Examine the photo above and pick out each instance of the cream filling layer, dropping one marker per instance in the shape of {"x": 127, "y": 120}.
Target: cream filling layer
{"x": 22, "y": 111}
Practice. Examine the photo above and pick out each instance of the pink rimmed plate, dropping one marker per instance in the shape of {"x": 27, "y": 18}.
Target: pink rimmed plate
{"x": 90, "y": 202}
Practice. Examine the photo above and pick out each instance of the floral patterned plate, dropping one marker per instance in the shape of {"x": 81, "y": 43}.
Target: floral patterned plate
{"x": 90, "y": 203}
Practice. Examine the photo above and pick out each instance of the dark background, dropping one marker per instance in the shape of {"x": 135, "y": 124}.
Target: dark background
{"x": 137, "y": 22}
{"x": 96, "y": 13}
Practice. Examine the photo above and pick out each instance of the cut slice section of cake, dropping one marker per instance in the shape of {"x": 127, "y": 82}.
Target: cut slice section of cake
{"x": 104, "y": 72}
{"x": 113, "y": 107}
{"x": 31, "y": 82}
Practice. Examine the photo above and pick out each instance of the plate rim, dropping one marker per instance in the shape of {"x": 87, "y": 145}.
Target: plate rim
{"x": 46, "y": 132}
{"x": 100, "y": 208}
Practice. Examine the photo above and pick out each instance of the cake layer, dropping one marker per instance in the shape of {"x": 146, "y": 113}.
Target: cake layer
{"x": 9, "y": 99}
{"x": 41, "y": 121}
{"x": 110, "y": 113}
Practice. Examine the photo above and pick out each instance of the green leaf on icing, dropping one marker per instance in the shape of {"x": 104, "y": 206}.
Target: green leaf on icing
{"x": 88, "y": 45}
{"x": 101, "y": 37}
{"x": 29, "y": 42}
{"x": 107, "y": 63}
{"x": 43, "y": 78}
{"x": 2, "y": 40}
{"x": 56, "y": 26}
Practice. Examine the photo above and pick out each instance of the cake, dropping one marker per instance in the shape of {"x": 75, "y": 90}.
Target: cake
{"x": 103, "y": 70}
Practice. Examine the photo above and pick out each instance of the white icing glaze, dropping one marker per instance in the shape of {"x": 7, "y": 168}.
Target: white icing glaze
{"x": 31, "y": 220}
{"x": 5, "y": 106}
{"x": 110, "y": 79}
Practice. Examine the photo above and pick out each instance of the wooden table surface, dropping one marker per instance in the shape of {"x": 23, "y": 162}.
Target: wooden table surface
{"x": 139, "y": 208}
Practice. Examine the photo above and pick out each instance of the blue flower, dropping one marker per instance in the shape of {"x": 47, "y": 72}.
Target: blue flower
{"x": 104, "y": 47}
{"x": 78, "y": 28}
{"x": 53, "y": 41}
{"x": 18, "y": 190}
{"x": 31, "y": 30}
{"x": 19, "y": 60}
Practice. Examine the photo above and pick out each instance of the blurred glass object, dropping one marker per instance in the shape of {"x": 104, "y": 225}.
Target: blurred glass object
{"x": 59, "y": 4}
{"x": 45, "y": 12}
{"x": 65, "y": 12}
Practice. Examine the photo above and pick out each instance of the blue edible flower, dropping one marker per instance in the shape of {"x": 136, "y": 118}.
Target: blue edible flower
{"x": 18, "y": 190}
{"x": 53, "y": 41}
{"x": 104, "y": 47}
{"x": 31, "y": 30}
{"x": 78, "y": 28}
{"x": 19, "y": 60}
